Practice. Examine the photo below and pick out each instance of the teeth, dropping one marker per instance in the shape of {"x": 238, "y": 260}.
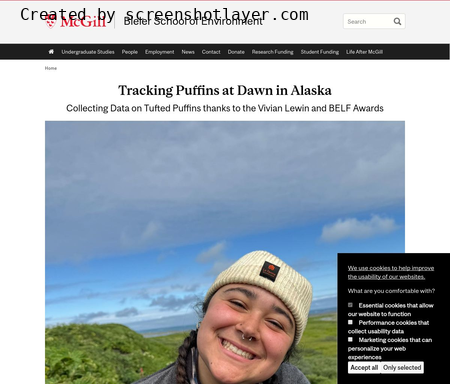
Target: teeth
{"x": 227, "y": 345}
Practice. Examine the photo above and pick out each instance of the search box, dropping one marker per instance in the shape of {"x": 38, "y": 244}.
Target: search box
{"x": 374, "y": 20}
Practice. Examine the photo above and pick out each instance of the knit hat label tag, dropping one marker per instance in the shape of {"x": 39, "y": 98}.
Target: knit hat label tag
{"x": 269, "y": 271}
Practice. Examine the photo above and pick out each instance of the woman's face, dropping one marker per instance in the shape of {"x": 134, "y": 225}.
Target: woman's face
{"x": 234, "y": 310}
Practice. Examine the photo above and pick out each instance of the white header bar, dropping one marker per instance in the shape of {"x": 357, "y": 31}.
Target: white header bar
{"x": 226, "y": 22}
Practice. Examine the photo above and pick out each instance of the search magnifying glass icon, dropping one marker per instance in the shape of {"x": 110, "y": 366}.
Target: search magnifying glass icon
{"x": 397, "y": 21}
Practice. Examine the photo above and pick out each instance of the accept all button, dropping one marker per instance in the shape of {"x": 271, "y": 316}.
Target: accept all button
{"x": 364, "y": 367}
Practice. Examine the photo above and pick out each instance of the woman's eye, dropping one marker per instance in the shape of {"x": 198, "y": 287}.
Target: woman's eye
{"x": 277, "y": 324}
{"x": 237, "y": 303}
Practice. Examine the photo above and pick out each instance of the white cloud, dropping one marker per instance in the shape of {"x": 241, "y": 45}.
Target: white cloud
{"x": 216, "y": 256}
{"x": 214, "y": 253}
{"x": 151, "y": 230}
{"x": 353, "y": 228}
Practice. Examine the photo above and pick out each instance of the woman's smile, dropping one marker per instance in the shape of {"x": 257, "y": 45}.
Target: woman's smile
{"x": 237, "y": 350}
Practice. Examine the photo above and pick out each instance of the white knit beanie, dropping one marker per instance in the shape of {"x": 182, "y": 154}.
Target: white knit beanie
{"x": 267, "y": 271}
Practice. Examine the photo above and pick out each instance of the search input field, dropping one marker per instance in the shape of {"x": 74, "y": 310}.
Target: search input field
{"x": 375, "y": 20}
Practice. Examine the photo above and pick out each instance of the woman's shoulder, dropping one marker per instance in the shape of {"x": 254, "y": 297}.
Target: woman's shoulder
{"x": 164, "y": 376}
{"x": 290, "y": 374}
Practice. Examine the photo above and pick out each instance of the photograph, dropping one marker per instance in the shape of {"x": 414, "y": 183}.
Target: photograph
{"x": 219, "y": 237}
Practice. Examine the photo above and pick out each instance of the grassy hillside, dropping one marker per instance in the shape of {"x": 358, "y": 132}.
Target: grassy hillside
{"x": 317, "y": 357}
{"x": 114, "y": 354}
{"x": 102, "y": 354}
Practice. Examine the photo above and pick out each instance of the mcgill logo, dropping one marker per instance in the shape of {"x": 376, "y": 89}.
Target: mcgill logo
{"x": 86, "y": 22}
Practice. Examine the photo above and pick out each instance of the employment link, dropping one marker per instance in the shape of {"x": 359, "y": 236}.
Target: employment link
{"x": 215, "y": 17}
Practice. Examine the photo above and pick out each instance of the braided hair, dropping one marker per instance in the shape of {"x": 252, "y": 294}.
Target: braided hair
{"x": 183, "y": 351}
{"x": 191, "y": 341}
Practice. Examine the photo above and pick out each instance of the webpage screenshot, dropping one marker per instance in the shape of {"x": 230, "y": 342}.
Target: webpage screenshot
{"x": 225, "y": 192}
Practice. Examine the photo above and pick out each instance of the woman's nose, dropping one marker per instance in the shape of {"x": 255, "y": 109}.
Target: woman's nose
{"x": 249, "y": 328}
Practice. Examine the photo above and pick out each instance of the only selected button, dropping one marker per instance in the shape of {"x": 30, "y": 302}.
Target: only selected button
{"x": 402, "y": 367}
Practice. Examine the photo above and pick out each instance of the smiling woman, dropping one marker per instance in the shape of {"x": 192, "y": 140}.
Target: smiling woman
{"x": 254, "y": 315}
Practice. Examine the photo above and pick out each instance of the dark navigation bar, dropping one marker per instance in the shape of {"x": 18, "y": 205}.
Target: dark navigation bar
{"x": 225, "y": 51}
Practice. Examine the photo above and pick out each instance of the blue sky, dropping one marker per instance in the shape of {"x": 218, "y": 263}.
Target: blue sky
{"x": 141, "y": 216}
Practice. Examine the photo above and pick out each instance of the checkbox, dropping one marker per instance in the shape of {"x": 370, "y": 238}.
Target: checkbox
{"x": 350, "y": 322}
{"x": 350, "y": 305}
{"x": 350, "y": 339}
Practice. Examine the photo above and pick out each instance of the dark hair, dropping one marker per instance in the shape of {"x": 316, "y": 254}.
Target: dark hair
{"x": 191, "y": 341}
{"x": 183, "y": 351}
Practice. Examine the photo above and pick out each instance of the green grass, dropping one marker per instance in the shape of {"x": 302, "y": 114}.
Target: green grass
{"x": 102, "y": 354}
{"x": 317, "y": 357}
{"x": 114, "y": 354}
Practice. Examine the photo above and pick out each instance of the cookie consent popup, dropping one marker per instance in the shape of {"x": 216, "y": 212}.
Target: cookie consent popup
{"x": 390, "y": 317}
